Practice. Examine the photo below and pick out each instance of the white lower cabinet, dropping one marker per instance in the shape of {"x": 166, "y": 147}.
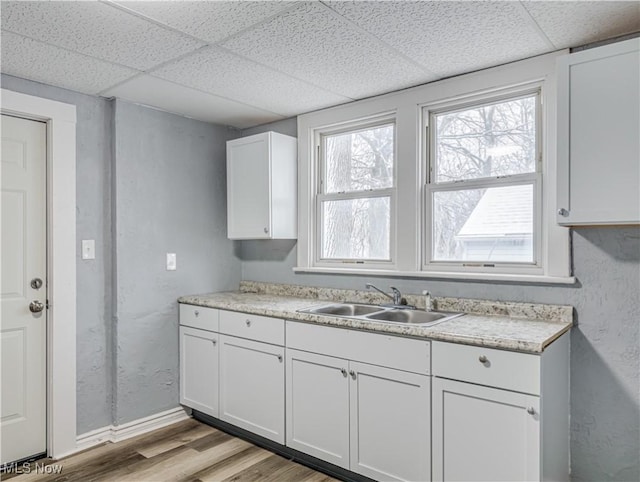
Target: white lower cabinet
{"x": 372, "y": 420}
{"x": 484, "y": 434}
{"x": 199, "y": 370}
{"x": 390, "y": 423}
{"x": 252, "y": 386}
{"x": 318, "y": 406}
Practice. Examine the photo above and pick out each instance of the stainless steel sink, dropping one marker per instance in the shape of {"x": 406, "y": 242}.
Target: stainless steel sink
{"x": 415, "y": 317}
{"x": 344, "y": 309}
{"x": 382, "y": 314}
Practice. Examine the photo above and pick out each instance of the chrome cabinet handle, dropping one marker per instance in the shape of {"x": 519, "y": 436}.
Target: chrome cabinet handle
{"x": 563, "y": 212}
{"x": 280, "y": 358}
{"x": 214, "y": 342}
{"x": 531, "y": 411}
{"x": 248, "y": 322}
{"x": 343, "y": 371}
{"x": 353, "y": 374}
{"x": 36, "y": 306}
{"x": 197, "y": 313}
{"x": 483, "y": 359}
{"x": 266, "y": 230}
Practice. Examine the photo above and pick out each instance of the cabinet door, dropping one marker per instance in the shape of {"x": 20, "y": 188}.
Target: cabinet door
{"x": 249, "y": 188}
{"x": 390, "y": 423}
{"x": 598, "y": 125}
{"x": 252, "y": 386}
{"x": 484, "y": 434}
{"x": 318, "y": 406}
{"x": 199, "y": 370}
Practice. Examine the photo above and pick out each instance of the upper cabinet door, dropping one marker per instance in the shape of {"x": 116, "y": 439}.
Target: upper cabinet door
{"x": 262, "y": 187}
{"x": 249, "y": 188}
{"x": 598, "y": 135}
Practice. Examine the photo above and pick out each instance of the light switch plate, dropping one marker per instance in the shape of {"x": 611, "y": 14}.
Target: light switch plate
{"x": 88, "y": 249}
{"x": 171, "y": 262}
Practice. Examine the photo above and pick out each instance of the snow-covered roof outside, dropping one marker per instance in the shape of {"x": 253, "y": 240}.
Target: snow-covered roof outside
{"x": 502, "y": 211}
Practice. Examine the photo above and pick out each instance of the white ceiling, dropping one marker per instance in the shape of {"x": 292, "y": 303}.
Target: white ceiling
{"x": 245, "y": 63}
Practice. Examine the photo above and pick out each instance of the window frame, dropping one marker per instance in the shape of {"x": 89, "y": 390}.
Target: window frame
{"x": 430, "y": 186}
{"x": 407, "y": 107}
{"x": 320, "y": 196}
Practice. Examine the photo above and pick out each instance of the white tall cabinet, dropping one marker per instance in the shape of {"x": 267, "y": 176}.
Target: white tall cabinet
{"x": 598, "y": 131}
{"x": 262, "y": 187}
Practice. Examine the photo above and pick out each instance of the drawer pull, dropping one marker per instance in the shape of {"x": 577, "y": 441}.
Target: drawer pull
{"x": 214, "y": 342}
{"x": 353, "y": 374}
{"x": 248, "y": 322}
{"x": 343, "y": 371}
{"x": 197, "y": 313}
{"x": 531, "y": 411}
{"x": 483, "y": 359}
{"x": 280, "y": 358}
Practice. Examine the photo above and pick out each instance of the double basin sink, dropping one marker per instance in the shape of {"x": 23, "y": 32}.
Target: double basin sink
{"x": 382, "y": 314}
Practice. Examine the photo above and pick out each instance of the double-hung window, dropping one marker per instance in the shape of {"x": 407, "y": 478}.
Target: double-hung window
{"x": 483, "y": 191}
{"x": 356, "y": 195}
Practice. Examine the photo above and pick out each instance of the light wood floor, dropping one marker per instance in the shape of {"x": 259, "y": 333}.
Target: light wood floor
{"x": 185, "y": 451}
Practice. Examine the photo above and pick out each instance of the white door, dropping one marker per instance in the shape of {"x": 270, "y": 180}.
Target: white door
{"x": 23, "y": 328}
{"x": 484, "y": 434}
{"x": 249, "y": 187}
{"x": 318, "y": 406}
{"x": 390, "y": 423}
{"x": 199, "y": 370}
{"x": 252, "y": 386}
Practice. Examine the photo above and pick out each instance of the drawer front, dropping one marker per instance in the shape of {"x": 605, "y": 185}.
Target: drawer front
{"x": 519, "y": 372}
{"x": 199, "y": 317}
{"x": 252, "y": 327}
{"x": 407, "y": 354}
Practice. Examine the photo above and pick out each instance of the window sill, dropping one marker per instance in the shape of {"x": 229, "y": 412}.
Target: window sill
{"x": 443, "y": 275}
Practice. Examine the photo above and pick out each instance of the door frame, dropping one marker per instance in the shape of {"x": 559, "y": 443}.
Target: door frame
{"x": 61, "y": 261}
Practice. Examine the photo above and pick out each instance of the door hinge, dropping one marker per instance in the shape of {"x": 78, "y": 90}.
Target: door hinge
{"x": 46, "y": 304}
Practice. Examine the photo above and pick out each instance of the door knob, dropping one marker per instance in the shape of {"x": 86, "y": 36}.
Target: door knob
{"x": 36, "y": 306}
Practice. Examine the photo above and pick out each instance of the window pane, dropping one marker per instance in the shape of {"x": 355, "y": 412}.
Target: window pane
{"x": 484, "y": 225}
{"x": 359, "y": 160}
{"x": 356, "y": 229}
{"x": 486, "y": 141}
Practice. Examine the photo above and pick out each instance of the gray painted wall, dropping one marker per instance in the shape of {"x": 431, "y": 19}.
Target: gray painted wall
{"x": 93, "y": 221}
{"x": 605, "y": 344}
{"x": 170, "y": 197}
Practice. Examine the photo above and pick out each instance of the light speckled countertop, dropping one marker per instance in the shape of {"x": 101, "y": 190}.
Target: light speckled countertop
{"x": 520, "y": 326}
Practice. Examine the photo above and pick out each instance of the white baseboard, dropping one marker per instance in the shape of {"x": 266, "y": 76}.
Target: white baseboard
{"x": 116, "y": 433}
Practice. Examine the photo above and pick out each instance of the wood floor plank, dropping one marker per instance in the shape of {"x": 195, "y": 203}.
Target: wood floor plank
{"x": 185, "y": 451}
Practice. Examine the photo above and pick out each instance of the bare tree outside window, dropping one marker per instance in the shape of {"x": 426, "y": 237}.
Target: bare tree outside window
{"x": 357, "y": 174}
{"x": 487, "y": 223}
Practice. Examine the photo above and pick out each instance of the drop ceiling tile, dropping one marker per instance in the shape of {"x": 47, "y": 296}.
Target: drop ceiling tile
{"x": 98, "y": 30}
{"x": 449, "y": 37}
{"x": 219, "y": 72}
{"x": 33, "y": 60}
{"x": 210, "y": 21}
{"x": 571, "y": 24}
{"x": 312, "y": 43}
{"x": 161, "y": 94}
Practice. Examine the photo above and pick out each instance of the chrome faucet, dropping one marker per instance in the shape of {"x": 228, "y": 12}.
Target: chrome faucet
{"x": 396, "y": 297}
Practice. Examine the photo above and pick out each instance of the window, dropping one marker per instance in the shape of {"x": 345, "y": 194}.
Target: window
{"x": 483, "y": 198}
{"x": 356, "y": 191}
{"x": 455, "y": 179}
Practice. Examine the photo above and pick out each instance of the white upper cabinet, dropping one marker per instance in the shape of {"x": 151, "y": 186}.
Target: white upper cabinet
{"x": 262, "y": 187}
{"x": 598, "y": 135}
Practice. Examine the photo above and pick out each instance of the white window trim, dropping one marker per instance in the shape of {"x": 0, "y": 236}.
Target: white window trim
{"x": 61, "y": 269}
{"x": 534, "y": 178}
{"x": 320, "y": 196}
{"x": 408, "y": 105}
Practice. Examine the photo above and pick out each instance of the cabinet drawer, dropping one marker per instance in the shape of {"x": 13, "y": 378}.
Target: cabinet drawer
{"x": 407, "y": 354}
{"x": 199, "y": 317}
{"x": 253, "y": 327}
{"x": 519, "y": 372}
